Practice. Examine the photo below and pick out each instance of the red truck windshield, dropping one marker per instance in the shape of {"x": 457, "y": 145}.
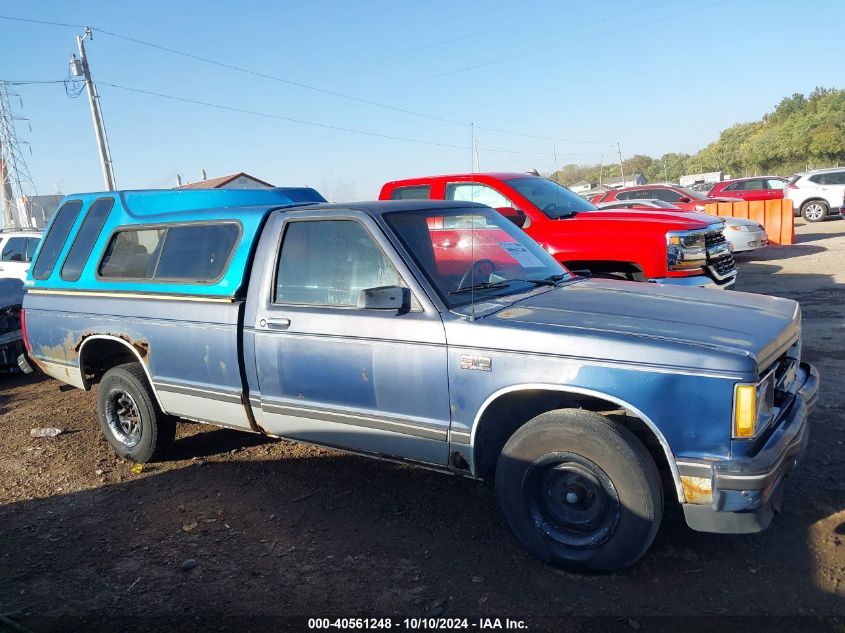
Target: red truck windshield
{"x": 554, "y": 200}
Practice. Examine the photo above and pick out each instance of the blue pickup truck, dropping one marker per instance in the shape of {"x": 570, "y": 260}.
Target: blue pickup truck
{"x": 433, "y": 333}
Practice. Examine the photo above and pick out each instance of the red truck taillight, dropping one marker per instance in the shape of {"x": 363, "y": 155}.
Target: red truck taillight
{"x": 23, "y": 331}
{"x": 792, "y": 185}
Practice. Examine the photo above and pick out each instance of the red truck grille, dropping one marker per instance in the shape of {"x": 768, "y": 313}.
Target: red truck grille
{"x": 720, "y": 260}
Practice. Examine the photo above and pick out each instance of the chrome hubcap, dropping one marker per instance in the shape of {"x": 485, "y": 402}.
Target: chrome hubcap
{"x": 814, "y": 211}
{"x": 123, "y": 417}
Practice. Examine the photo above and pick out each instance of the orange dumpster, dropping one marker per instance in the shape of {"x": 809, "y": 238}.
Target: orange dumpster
{"x": 775, "y": 215}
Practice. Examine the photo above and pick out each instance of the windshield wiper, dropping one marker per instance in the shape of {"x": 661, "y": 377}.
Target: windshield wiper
{"x": 484, "y": 285}
{"x": 551, "y": 280}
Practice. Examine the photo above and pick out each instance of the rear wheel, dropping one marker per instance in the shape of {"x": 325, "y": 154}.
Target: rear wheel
{"x": 814, "y": 210}
{"x": 130, "y": 418}
{"x": 580, "y": 491}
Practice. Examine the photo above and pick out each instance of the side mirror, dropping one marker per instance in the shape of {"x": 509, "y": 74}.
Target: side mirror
{"x": 514, "y": 215}
{"x": 684, "y": 200}
{"x": 385, "y": 298}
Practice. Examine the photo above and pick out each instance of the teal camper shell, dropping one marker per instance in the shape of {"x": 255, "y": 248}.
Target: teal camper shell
{"x": 86, "y": 227}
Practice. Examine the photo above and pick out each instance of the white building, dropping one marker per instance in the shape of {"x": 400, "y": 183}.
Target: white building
{"x": 707, "y": 177}
{"x": 587, "y": 189}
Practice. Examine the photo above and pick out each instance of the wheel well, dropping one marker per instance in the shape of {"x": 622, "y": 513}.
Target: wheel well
{"x": 99, "y": 355}
{"x": 510, "y": 411}
{"x": 808, "y": 200}
{"x": 631, "y": 270}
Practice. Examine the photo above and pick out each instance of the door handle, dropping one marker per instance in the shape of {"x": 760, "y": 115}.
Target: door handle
{"x": 275, "y": 324}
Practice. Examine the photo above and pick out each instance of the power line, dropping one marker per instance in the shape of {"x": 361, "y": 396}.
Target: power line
{"x": 45, "y": 22}
{"x": 297, "y": 84}
{"x": 279, "y": 117}
{"x": 543, "y": 138}
{"x": 572, "y": 27}
{"x": 488, "y": 148}
{"x": 572, "y": 42}
{"x": 467, "y": 36}
{"x": 29, "y": 82}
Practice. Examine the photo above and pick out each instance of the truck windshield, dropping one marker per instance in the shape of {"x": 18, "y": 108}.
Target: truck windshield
{"x": 473, "y": 252}
{"x": 554, "y": 200}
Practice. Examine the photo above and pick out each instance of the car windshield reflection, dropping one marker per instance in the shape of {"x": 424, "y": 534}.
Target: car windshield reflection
{"x": 473, "y": 251}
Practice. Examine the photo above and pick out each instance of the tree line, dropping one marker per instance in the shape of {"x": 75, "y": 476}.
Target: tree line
{"x": 803, "y": 132}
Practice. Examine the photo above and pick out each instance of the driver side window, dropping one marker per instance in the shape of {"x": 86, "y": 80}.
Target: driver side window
{"x": 329, "y": 263}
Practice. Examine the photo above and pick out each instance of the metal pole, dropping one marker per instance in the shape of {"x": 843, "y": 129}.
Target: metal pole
{"x": 94, "y": 100}
{"x": 601, "y": 168}
{"x": 621, "y": 169}
{"x": 472, "y": 147}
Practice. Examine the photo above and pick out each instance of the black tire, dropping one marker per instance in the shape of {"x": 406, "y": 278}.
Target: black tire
{"x": 130, "y": 418}
{"x": 814, "y": 210}
{"x": 580, "y": 491}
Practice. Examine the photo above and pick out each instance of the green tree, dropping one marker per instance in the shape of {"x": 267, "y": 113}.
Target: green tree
{"x": 801, "y": 130}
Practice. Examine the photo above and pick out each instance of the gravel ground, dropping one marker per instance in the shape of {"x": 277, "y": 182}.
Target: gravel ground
{"x": 276, "y": 530}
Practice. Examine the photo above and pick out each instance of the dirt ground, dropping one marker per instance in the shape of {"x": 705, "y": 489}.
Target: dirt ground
{"x": 279, "y": 530}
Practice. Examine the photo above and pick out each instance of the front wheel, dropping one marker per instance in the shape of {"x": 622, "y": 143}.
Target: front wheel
{"x": 130, "y": 418}
{"x": 814, "y": 211}
{"x": 580, "y": 491}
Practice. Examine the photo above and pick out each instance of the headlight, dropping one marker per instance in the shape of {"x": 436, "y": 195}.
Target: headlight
{"x": 753, "y": 407}
{"x": 685, "y": 250}
{"x": 746, "y": 228}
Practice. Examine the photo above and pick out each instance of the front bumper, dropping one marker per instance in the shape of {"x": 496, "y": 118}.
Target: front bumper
{"x": 700, "y": 281}
{"x": 746, "y": 494}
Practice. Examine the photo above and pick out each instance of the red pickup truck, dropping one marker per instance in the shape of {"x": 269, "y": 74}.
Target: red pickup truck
{"x": 685, "y": 249}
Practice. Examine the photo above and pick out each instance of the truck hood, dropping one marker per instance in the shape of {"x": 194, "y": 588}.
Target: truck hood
{"x": 667, "y": 220}
{"x": 648, "y": 324}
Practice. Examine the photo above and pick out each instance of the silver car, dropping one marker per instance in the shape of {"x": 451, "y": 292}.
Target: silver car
{"x": 743, "y": 235}
{"x": 818, "y": 194}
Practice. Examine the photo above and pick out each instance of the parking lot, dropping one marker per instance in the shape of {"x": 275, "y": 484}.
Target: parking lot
{"x": 279, "y": 529}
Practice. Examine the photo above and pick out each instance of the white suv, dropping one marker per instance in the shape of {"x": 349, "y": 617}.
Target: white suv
{"x": 17, "y": 246}
{"x": 818, "y": 194}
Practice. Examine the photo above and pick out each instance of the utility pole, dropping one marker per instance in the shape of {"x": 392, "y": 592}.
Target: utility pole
{"x": 79, "y": 67}
{"x": 621, "y": 169}
{"x": 601, "y": 168}
{"x": 472, "y": 148}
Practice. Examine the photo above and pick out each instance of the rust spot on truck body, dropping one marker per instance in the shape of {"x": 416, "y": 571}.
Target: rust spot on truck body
{"x": 65, "y": 351}
{"x": 697, "y": 489}
{"x": 140, "y": 345}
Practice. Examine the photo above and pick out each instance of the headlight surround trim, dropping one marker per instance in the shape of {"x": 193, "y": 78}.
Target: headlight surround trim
{"x": 686, "y": 250}
{"x": 762, "y": 403}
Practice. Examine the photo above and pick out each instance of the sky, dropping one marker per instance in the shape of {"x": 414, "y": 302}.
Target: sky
{"x": 353, "y": 94}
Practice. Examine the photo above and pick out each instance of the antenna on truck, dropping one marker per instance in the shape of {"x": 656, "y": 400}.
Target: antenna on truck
{"x": 472, "y": 158}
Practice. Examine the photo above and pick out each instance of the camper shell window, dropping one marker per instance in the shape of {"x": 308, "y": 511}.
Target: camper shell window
{"x": 179, "y": 253}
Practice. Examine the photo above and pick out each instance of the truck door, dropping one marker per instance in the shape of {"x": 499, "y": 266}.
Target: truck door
{"x": 330, "y": 373}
